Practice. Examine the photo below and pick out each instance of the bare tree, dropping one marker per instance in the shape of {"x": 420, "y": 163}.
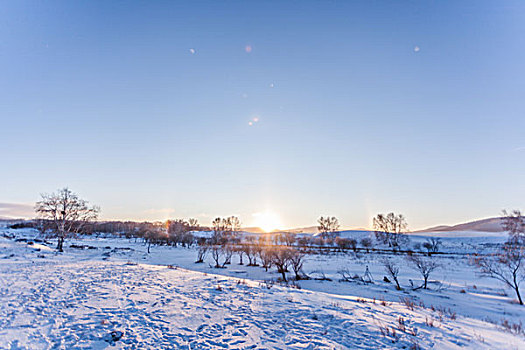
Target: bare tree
{"x": 304, "y": 241}
{"x": 66, "y": 212}
{"x": 232, "y": 227}
{"x": 507, "y": 266}
{"x": 153, "y": 235}
{"x": 296, "y": 262}
{"x": 265, "y": 251}
{"x": 287, "y": 238}
{"x": 202, "y": 251}
{"x": 281, "y": 259}
{"x": 193, "y": 224}
{"x": 392, "y": 270}
{"x": 328, "y": 226}
{"x": 179, "y": 232}
{"x": 366, "y": 243}
{"x": 424, "y": 266}
{"x": 218, "y": 240}
{"x": 251, "y": 250}
{"x": 224, "y": 239}
{"x": 432, "y": 245}
{"x": 343, "y": 243}
{"x": 514, "y": 223}
{"x": 390, "y": 228}
{"x": 228, "y": 249}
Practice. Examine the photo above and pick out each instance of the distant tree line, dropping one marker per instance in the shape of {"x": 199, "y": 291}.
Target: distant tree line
{"x": 64, "y": 214}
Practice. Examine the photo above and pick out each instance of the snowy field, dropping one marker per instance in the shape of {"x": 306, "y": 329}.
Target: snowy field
{"x": 115, "y": 295}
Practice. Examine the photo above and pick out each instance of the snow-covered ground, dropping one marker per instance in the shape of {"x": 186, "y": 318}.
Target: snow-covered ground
{"x": 76, "y": 299}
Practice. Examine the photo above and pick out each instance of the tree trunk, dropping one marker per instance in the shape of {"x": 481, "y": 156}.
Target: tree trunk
{"x": 518, "y": 294}
{"x": 284, "y": 275}
{"x": 398, "y": 287}
{"x": 60, "y": 244}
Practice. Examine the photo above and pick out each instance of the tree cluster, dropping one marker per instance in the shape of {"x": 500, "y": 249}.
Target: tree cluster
{"x": 390, "y": 229}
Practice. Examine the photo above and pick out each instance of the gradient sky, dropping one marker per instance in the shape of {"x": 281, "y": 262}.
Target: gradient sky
{"x": 364, "y": 107}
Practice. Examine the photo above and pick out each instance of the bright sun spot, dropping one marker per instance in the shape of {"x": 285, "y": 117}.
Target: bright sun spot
{"x": 267, "y": 221}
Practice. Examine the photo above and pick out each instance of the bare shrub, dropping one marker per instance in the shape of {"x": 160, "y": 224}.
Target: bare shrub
{"x": 401, "y": 323}
{"x": 321, "y": 276}
{"x": 514, "y": 328}
{"x": 346, "y": 276}
{"x": 409, "y": 303}
{"x": 392, "y": 270}
{"x": 389, "y": 332}
{"x": 425, "y": 266}
{"x": 414, "y": 344}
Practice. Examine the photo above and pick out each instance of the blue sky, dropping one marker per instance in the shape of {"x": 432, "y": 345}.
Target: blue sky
{"x": 363, "y": 107}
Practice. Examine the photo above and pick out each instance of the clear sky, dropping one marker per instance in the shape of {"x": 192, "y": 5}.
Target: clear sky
{"x": 356, "y": 108}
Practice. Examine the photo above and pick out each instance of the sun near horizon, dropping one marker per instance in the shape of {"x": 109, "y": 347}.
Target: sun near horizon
{"x": 268, "y": 221}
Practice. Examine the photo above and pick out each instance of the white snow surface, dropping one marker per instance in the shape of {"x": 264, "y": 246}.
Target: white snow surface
{"x": 77, "y": 298}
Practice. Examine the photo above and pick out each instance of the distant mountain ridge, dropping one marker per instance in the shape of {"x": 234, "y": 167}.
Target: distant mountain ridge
{"x": 484, "y": 225}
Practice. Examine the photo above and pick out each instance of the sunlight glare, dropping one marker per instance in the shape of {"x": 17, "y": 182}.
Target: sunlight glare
{"x": 267, "y": 221}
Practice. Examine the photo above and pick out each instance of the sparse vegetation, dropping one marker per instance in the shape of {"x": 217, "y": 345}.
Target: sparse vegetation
{"x": 507, "y": 266}
{"x": 392, "y": 270}
{"x": 390, "y": 228}
{"x": 432, "y": 245}
{"x": 328, "y": 226}
{"x": 425, "y": 266}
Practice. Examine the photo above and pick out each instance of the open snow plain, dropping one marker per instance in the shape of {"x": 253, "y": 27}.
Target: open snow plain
{"x": 115, "y": 295}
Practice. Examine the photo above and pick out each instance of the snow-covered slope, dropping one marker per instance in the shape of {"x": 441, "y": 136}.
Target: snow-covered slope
{"x": 83, "y": 301}
{"x": 484, "y": 225}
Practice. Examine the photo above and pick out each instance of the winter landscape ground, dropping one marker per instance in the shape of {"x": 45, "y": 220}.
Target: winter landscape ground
{"x": 108, "y": 292}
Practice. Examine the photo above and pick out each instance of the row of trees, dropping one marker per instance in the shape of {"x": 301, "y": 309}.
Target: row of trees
{"x": 64, "y": 213}
{"x": 225, "y": 242}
